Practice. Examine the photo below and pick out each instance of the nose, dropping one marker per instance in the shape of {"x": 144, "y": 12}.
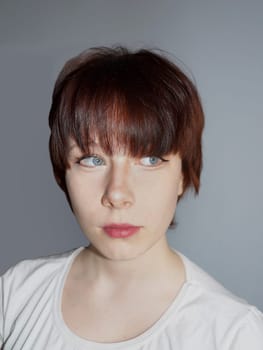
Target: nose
{"x": 118, "y": 193}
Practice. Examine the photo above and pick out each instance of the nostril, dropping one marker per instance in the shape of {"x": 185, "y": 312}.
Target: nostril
{"x": 117, "y": 198}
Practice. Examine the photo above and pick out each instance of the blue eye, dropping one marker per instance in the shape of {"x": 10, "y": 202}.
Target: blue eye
{"x": 91, "y": 161}
{"x": 151, "y": 161}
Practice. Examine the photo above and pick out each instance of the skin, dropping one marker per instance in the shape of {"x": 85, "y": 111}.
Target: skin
{"x": 119, "y": 274}
{"x": 119, "y": 189}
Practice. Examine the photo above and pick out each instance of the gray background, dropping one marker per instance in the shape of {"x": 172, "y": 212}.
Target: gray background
{"x": 220, "y": 42}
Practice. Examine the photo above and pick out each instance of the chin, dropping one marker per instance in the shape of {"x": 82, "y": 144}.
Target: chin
{"x": 120, "y": 253}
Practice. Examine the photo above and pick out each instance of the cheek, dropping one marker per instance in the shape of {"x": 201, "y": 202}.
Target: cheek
{"x": 159, "y": 201}
{"x": 82, "y": 195}
{"x": 164, "y": 203}
{"x": 163, "y": 188}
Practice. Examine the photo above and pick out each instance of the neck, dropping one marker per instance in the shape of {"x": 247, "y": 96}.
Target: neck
{"x": 157, "y": 263}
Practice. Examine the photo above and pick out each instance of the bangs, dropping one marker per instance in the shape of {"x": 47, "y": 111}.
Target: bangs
{"x": 120, "y": 114}
{"x": 138, "y": 103}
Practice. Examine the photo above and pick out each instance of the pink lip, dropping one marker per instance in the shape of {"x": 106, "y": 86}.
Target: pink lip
{"x": 120, "y": 230}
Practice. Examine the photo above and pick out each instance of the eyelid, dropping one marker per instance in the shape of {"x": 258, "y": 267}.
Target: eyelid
{"x": 79, "y": 159}
{"x": 159, "y": 162}
{"x": 163, "y": 159}
{"x": 83, "y": 156}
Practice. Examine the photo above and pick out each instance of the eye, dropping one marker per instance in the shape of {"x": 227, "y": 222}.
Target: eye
{"x": 151, "y": 161}
{"x": 91, "y": 161}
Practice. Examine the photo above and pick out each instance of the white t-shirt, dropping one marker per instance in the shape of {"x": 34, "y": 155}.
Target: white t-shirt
{"x": 203, "y": 316}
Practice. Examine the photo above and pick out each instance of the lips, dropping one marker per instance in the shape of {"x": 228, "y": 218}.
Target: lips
{"x": 120, "y": 230}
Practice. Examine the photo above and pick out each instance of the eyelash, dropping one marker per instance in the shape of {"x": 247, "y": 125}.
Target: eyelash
{"x": 79, "y": 159}
{"x": 158, "y": 159}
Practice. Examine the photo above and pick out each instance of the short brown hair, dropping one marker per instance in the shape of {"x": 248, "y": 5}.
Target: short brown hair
{"x": 138, "y": 100}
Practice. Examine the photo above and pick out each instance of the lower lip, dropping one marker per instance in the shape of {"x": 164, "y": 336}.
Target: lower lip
{"x": 121, "y": 232}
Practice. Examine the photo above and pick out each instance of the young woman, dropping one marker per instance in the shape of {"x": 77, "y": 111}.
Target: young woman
{"x": 125, "y": 145}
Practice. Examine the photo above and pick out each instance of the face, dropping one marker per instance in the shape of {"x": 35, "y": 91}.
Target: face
{"x": 123, "y": 205}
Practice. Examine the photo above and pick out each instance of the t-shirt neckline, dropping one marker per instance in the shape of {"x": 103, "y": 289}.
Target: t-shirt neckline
{"x": 82, "y": 343}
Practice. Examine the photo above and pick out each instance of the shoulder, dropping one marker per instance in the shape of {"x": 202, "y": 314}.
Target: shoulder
{"x": 28, "y": 276}
{"x": 35, "y": 268}
{"x": 234, "y": 323}
{"x": 28, "y": 286}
